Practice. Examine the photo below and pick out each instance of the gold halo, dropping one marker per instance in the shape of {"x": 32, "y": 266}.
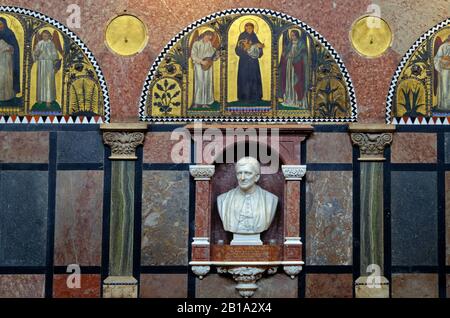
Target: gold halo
{"x": 249, "y": 20}
{"x": 126, "y": 35}
{"x": 292, "y": 29}
{"x": 370, "y": 41}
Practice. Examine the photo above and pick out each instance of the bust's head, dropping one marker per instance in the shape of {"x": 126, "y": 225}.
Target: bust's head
{"x": 248, "y": 171}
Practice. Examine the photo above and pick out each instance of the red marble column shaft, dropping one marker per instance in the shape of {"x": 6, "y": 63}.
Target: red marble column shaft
{"x": 292, "y": 252}
{"x": 202, "y": 219}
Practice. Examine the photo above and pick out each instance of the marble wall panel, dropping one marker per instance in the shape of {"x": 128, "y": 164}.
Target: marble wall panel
{"x": 24, "y": 147}
{"x": 80, "y": 147}
{"x": 329, "y": 148}
{"x": 158, "y": 148}
{"x": 414, "y": 148}
{"x": 414, "y": 218}
{"x": 163, "y": 286}
{"x": 415, "y": 286}
{"x": 22, "y": 286}
{"x": 23, "y": 217}
{"x": 329, "y": 286}
{"x": 329, "y": 218}
{"x": 78, "y": 224}
{"x": 165, "y": 214}
{"x": 90, "y": 286}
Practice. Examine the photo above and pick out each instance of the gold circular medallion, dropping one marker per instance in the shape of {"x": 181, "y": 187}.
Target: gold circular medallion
{"x": 126, "y": 35}
{"x": 371, "y": 36}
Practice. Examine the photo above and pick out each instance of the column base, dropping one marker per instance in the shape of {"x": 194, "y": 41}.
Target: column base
{"x": 372, "y": 287}
{"x": 120, "y": 287}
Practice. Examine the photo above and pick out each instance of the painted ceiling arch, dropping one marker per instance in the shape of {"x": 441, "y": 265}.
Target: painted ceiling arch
{"x": 420, "y": 88}
{"x": 248, "y": 65}
{"x": 51, "y": 76}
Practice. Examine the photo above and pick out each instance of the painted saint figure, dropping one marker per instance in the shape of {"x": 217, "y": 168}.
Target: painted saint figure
{"x": 9, "y": 63}
{"x": 293, "y": 70}
{"x": 204, "y": 52}
{"x": 249, "y": 49}
{"x": 45, "y": 54}
{"x": 247, "y": 210}
{"x": 442, "y": 66}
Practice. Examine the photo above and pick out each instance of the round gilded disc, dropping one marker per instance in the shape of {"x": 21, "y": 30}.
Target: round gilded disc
{"x": 126, "y": 35}
{"x": 371, "y": 36}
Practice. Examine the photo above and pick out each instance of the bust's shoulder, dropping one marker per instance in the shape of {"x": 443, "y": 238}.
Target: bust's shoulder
{"x": 223, "y": 195}
{"x": 268, "y": 194}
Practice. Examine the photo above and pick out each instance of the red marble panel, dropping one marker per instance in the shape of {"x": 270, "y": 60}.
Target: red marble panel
{"x": 158, "y": 148}
{"x": 415, "y": 286}
{"x": 202, "y": 209}
{"x": 292, "y": 217}
{"x": 200, "y": 253}
{"x": 79, "y": 209}
{"x": 24, "y": 147}
{"x": 329, "y": 148}
{"x": 329, "y": 286}
{"x": 22, "y": 286}
{"x": 163, "y": 286}
{"x": 90, "y": 286}
{"x": 292, "y": 252}
{"x": 414, "y": 148}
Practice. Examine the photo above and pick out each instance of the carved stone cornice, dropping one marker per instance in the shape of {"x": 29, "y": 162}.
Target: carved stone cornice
{"x": 123, "y": 138}
{"x": 293, "y": 172}
{"x": 371, "y": 139}
{"x": 202, "y": 172}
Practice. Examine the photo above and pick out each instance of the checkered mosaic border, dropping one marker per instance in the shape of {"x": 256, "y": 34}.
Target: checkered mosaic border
{"x": 145, "y": 91}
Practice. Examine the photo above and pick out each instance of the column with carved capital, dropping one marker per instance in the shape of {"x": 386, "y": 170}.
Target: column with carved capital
{"x": 371, "y": 140}
{"x": 201, "y": 245}
{"x": 123, "y": 138}
{"x": 292, "y": 245}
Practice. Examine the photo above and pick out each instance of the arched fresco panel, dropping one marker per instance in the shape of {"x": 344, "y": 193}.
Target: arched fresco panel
{"x": 248, "y": 65}
{"x": 49, "y": 75}
{"x": 420, "y": 88}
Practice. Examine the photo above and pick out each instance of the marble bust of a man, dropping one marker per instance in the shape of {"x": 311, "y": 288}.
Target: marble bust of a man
{"x": 247, "y": 210}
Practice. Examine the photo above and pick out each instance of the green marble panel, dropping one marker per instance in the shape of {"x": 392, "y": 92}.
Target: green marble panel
{"x": 121, "y": 219}
{"x": 371, "y": 220}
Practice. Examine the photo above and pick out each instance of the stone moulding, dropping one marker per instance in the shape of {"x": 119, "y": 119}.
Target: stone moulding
{"x": 120, "y": 287}
{"x": 202, "y": 172}
{"x": 293, "y": 172}
{"x": 123, "y": 138}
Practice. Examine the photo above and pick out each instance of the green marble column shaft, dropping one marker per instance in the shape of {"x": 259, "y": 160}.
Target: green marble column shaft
{"x": 371, "y": 222}
{"x": 121, "y": 218}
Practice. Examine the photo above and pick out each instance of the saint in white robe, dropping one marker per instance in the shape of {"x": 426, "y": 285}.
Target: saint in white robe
{"x": 443, "y": 91}
{"x": 6, "y": 72}
{"x": 45, "y": 55}
{"x": 203, "y": 80}
{"x": 247, "y": 213}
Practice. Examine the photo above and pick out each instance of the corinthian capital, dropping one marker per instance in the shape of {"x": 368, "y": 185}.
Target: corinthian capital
{"x": 371, "y": 139}
{"x": 123, "y": 139}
